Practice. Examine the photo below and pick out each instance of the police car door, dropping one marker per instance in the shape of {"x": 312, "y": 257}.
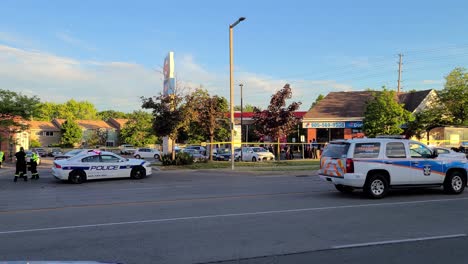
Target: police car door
{"x": 110, "y": 166}
{"x": 425, "y": 169}
{"x": 397, "y": 163}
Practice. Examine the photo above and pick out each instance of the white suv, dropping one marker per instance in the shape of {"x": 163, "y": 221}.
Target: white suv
{"x": 378, "y": 164}
{"x": 147, "y": 153}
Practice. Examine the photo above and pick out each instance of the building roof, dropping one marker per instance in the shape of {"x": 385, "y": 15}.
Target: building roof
{"x": 352, "y": 105}
{"x": 247, "y": 115}
{"x": 413, "y": 99}
{"x": 86, "y": 124}
{"x": 118, "y": 122}
{"x": 42, "y": 125}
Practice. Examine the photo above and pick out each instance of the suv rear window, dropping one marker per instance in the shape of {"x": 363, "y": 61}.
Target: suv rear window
{"x": 336, "y": 150}
{"x": 367, "y": 150}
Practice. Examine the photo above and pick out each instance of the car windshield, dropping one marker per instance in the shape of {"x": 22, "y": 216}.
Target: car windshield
{"x": 223, "y": 151}
{"x": 259, "y": 150}
{"x": 336, "y": 150}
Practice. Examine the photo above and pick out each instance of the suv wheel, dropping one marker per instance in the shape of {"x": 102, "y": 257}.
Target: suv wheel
{"x": 455, "y": 183}
{"x": 344, "y": 189}
{"x": 376, "y": 186}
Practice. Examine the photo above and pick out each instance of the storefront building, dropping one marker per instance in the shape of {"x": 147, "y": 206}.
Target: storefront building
{"x": 340, "y": 115}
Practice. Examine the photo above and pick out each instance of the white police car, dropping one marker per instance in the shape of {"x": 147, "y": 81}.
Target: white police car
{"x": 378, "y": 164}
{"x": 99, "y": 165}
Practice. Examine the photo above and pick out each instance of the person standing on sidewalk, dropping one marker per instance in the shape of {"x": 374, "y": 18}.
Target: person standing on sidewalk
{"x": 2, "y": 158}
{"x": 20, "y": 165}
{"x": 34, "y": 161}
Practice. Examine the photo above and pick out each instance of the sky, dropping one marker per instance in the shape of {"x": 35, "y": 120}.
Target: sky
{"x": 111, "y": 52}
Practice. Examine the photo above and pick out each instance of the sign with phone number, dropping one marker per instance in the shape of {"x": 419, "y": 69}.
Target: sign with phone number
{"x": 347, "y": 124}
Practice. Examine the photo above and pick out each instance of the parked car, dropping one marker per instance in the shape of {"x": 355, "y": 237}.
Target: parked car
{"x": 40, "y": 151}
{"x": 195, "y": 154}
{"x": 70, "y": 154}
{"x": 55, "y": 152}
{"x": 200, "y": 149}
{"x": 445, "y": 153}
{"x": 127, "y": 149}
{"x": 256, "y": 154}
{"x": 225, "y": 154}
{"x": 147, "y": 153}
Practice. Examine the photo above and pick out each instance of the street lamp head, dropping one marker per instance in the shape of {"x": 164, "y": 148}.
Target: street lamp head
{"x": 237, "y": 22}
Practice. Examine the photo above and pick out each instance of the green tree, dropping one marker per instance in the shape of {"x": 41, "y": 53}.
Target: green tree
{"x": 208, "y": 112}
{"x": 97, "y": 137}
{"x": 105, "y": 115}
{"x": 138, "y": 131}
{"x": 34, "y": 143}
{"x": 384, "y": 115}
{"x": 318, "y": 99}
{"x": 14, "y": 109}
{"x": 434, "y": 116}
{"x": 455, "y": 95}
{"x": 169, "y": 115}
{"x": 71, "y": 133}
{"x": 69, "y": 110}
{"x": 247, "y": 108}
{"x": 277, "y": 120}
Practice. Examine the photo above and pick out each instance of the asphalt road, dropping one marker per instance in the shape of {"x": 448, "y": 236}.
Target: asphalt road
{"x": 226, "y": 217}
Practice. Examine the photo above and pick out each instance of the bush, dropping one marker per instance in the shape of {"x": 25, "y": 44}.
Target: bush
{"x": 166, "y": 159}
{"x": 181, "y": 158}
{"x": 34, "y": 143}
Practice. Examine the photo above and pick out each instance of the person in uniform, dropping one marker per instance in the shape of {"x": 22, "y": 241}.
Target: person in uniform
{"x": 34, "y": 161}
{"x": 2, "y": 158}
{"x": 21, "y": 165}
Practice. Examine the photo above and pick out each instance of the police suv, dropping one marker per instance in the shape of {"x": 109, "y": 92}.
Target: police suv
{"x": 379, "y": 164}
{"x": 95, "y": 164}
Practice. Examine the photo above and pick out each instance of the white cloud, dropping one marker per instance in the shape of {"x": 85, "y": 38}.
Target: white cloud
{"x": 109, "y": 85}
{"x": 68, "y": 38}
{"x": 119, "y": 85}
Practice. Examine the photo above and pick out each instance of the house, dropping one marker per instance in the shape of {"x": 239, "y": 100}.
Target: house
{"x": 11, "y": 139}
{"x": 95, "y": 132}
{"x": 340, "y": 114}
{"x": 45, "y": 132}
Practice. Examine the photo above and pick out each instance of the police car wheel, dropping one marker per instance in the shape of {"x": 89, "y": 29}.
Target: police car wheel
{"x": 77, "y": 177}
{"x": 156, "y": 157}
{"x": 344, "y": 189}
{"x": 455, "y": 183}
{"x": 376, "y": 186}
{"x": 138, "y": 173}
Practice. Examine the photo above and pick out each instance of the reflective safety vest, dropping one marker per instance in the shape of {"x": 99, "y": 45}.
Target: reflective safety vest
{"x": 1, "y": 156}
{"x": 34, "y": 157}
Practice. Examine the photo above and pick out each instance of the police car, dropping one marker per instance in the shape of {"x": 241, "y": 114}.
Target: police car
{"x": 379, "y": 164}
{"x": 95, "y": 164}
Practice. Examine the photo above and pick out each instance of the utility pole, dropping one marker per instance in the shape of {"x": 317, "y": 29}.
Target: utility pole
{"x": 399, "y": 71}
{"x": 242, "y": 114}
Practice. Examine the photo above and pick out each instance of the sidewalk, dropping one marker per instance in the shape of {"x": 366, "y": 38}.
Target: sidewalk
{"x": 8, "y": 169}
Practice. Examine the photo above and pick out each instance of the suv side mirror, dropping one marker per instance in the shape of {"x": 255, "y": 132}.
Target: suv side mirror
{"x": 435, "y": 154}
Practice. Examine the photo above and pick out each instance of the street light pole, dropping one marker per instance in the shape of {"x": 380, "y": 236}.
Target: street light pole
{"x": 231, "y": 85}
{"x": 242, "y": 116}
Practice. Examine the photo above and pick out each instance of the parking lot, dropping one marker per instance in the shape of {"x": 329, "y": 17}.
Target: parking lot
{"x": 226, "y": 217}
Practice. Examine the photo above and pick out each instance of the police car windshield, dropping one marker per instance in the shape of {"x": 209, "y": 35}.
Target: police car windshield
{"x": 336, "y": 150}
